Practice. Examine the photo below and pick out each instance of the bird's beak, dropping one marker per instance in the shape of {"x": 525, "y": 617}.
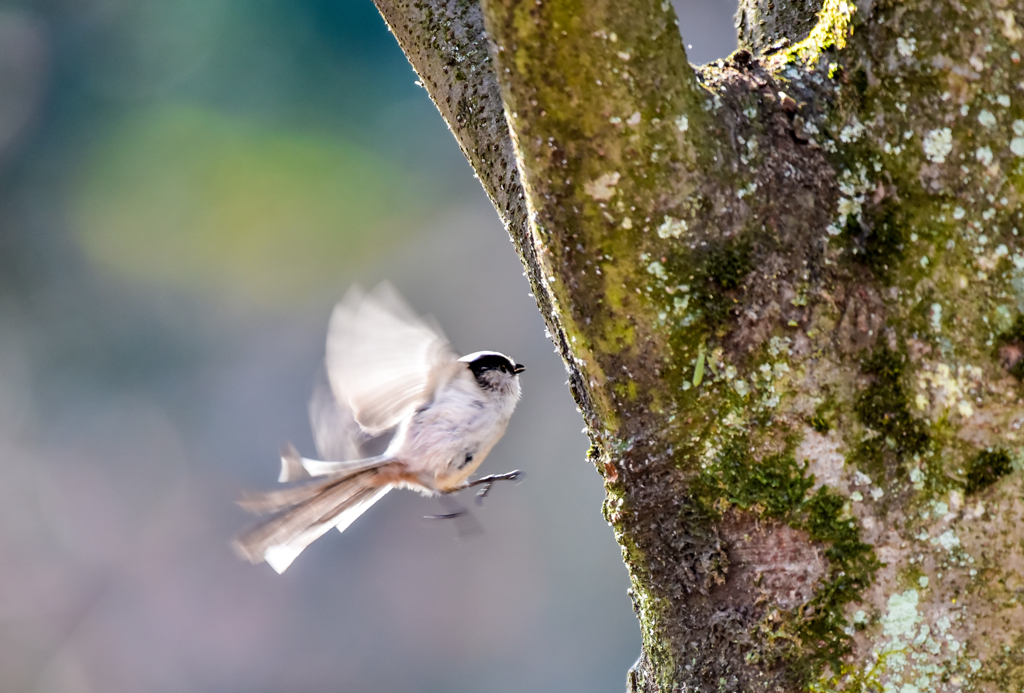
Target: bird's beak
{"x": 518, "y": 368}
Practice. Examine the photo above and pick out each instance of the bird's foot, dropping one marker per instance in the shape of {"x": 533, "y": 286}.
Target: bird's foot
{"x": 465, "y": 524}
{"x": 487, "y": 482}
{"x": 447, "y": 516}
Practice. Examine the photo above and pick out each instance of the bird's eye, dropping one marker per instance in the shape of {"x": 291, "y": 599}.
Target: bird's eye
{"x": 502, "y": 368}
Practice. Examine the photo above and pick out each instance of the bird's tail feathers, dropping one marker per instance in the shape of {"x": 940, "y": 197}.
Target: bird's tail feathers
{"x": 304, "y": 513}
{"x": 295, "y": 467}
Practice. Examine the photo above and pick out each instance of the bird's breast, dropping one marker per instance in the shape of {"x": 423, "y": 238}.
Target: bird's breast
{"x": 448, "y": 440}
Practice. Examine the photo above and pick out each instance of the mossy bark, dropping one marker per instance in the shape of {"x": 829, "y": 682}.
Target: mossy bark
{"x": 787, "y": 288}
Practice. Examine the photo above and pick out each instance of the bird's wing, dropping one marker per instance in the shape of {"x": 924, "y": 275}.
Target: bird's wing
{"x": 382, "y": 359}
{"x": 337, "y": 434}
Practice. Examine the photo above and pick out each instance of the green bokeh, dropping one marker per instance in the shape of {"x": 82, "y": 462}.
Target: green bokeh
{"x": 191, "y": 197}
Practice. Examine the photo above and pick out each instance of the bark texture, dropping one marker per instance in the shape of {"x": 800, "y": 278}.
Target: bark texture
{"x": 788, "y": 287}
{"x": 766, "y": 26}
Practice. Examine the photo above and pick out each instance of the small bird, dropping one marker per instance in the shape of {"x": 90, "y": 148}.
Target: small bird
{"x": 388, "y": 370}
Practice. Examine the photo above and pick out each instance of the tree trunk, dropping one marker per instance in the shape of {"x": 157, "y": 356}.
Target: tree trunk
{"x": 787, "y": 287}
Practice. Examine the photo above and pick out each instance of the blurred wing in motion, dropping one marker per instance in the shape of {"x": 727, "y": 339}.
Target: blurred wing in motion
{"x": 383, "y": 360}
{"x": 303, "y": 514}
{"x": 337, "y": 434}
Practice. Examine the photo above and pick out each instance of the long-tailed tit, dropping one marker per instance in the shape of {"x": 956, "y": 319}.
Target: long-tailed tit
{"x": 389, "y": 370}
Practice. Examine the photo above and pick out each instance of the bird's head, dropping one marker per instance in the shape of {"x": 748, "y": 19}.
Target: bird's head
{"x": 494, "y": 372}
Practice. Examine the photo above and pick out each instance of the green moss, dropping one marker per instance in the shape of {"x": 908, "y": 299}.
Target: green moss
{"x": 825, "y": 523}
{"x": 616, "y": 332}
{"x": 720, "y": 271}
{"x": 728, "y": 264}
{"x": 884, "y": 407}
{"x": 824, "y": 414}
{"x": 883, "y": 247}
{"x": 775, "y": 485}
{"x": 859, "y": 80}
{"x": 1014, "y": 337}
{"x": 831, "y": 31}
{"x": 812, "y": 637}
{"x": 625, "y": 390}
{"x": 910, "y": 577}
{"x": 986, "y": 469}
{"x": 1005, "y": 669}
{"x": 820, "y": 624}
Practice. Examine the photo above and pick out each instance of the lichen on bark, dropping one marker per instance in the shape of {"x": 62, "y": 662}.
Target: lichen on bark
{"x": 788, "y": 288}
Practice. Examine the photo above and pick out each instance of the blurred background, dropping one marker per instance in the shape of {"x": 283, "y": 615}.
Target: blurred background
{"x": 186, "y": 187}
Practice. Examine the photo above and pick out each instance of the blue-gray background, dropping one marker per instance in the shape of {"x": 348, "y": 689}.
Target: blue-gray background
{"x": 186, "y": 187}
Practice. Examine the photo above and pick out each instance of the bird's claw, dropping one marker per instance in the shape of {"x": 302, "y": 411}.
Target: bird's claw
{"x": 488, "y": 481}
{"x": 446, "y": 516}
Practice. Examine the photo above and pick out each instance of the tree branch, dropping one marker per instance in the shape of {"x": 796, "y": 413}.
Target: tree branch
{"x": 764, "y": 25}
{"x": 789, "y": 291}
{"x": 604, "y": 109}
{"x": 446, "y": 44}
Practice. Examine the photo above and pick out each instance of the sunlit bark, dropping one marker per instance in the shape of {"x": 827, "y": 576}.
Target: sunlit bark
{"x": 787, "y": 287}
